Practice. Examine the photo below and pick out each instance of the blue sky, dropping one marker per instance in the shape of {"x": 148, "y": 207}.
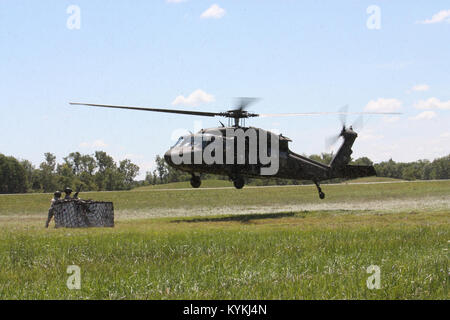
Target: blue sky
{"x": 297, "y": 56}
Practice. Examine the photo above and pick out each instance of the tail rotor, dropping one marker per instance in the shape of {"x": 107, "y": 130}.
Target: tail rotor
{"x": 356, "y": 125}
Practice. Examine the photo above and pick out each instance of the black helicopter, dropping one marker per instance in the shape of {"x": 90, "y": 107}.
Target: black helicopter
{"x": 238, "y": 151}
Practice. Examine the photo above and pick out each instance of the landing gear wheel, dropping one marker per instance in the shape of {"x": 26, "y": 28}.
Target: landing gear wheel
{"x": 319, "y": 189}
{"x": 239, "y": 183}
{"x": 196, "y": 182}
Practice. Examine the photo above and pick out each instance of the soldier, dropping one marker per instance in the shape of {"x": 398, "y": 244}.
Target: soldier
{"x": 68, "y": 192}
{"x": 56, "y": 197}
{"x": 75, "y": 196}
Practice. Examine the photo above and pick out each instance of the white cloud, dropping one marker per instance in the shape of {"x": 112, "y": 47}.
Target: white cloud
{"x": 420, "y": 87}
{"x": 426, "y": 115}
{"x": 213, "y": 12}
{"x": 441, "y": 16}
{"x": 433, "y": 103}
{"x": 94, "y": 144}
{"x": 384, "y": 105}
{"x": 194, "y": 99}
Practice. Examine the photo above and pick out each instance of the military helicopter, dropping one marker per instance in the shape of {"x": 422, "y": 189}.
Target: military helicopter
{"x": 247, "y": 161}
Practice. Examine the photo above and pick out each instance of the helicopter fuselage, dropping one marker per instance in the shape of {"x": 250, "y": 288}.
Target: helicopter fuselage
{"x": 247, "y": 159}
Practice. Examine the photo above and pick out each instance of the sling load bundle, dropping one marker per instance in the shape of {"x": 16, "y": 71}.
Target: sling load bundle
{"x": 76, "y": 213}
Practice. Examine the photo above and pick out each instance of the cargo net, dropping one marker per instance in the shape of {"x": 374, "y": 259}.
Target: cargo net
{"x": 83, "y": 214}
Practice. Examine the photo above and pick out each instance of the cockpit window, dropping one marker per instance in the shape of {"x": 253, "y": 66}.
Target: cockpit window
{"x": 197, "y": 140}
{"x": 182, "y": 141}
{"x": 187, "y": 141}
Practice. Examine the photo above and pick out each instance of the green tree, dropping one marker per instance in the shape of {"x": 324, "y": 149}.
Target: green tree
{"x": 73, "y": 161}
{"x": 440, "y": 168}
{"x": 364, "y": 161}
{"x": 149, "y": 177}
{"x": 47, "y": 173}
{"x": 29, "y": 173}
{"x": 66, "y": 177}
{"x": 87, "y": 164}
{"x": 128, "y": 171}
{"x": 105, "y": 177}
{"x": 12, "y": 175}
{"x": 104, "y": 161}
{"x": 161, "y": 168}
{"x": 113, "y": 180}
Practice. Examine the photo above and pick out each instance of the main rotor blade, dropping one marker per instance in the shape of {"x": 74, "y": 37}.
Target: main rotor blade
{"x": 266, "y": 115}
{"x": 188, "y": 112}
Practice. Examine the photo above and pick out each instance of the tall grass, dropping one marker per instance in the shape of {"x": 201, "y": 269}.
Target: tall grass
{"x": 292, "y": 255}
{"x": 37, "y": 204}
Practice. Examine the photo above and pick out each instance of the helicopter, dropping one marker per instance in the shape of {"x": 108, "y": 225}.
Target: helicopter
{"x": 239, "y": 151}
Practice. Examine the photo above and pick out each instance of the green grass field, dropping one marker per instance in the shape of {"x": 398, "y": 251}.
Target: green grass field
{"x": 295, "y": 254}
{"x": 196, "y": 201}
{"x": 226, "y": 183}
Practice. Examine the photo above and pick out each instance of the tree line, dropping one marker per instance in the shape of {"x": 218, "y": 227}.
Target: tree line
{"x": 421, "y": 169}
{"x": 97, "y": 172}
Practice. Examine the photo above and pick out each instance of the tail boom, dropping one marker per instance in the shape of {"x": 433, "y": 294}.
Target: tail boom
{"x": 353, "y": 172}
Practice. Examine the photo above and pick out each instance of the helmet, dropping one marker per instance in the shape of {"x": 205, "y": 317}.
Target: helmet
{"x": 57, "y": 194}
{"x": 67, "y": 190}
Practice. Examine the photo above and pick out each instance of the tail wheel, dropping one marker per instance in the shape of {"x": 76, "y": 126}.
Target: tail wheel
{"x": 319, "y": 189}
{"x": 196, "y": 182}
{"x": 239, "y": 183}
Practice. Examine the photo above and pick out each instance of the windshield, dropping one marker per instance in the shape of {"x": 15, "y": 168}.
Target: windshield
{"x": 197, "y": 140}
{"x": 187, "y": 141}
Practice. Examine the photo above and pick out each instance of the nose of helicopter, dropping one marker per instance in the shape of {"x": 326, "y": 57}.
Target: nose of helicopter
{"x": 168, "y": 157}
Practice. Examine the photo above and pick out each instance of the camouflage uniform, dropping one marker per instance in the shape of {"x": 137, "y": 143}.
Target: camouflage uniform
{"x": 51, "y": 212}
